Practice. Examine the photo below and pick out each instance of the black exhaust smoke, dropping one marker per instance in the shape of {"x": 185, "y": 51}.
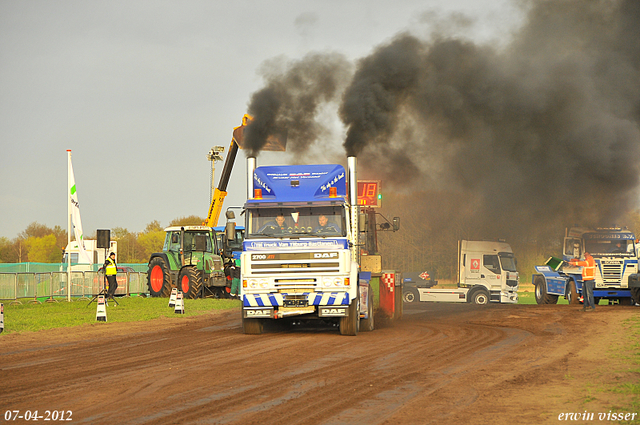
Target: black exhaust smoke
{"x": 541, "y": 131}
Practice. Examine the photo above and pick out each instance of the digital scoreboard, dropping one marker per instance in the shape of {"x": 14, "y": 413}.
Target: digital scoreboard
{"x": 369, "y": 193}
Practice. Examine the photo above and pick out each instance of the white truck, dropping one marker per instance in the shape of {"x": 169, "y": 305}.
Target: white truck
{"x": 97, "y": 255}
{"x": 486, "y": 273}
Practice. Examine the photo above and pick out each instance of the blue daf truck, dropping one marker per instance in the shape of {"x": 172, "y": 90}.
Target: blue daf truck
{"x": 615, "y": 253}
{"x": 300, "y": 257}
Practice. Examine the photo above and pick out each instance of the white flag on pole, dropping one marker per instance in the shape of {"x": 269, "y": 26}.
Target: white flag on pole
{"x": 74, "y": 208}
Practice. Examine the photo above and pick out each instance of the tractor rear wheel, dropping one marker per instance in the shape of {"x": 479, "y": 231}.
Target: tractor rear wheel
{"x": 159, "y": 278}
{"x": 350, "y": 325}
{"x": 189, "y": 282}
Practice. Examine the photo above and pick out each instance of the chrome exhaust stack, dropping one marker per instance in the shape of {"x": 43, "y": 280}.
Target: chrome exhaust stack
{"x": 251, "y": 168}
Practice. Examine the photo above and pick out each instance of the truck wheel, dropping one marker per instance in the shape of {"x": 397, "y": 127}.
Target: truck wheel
{"x": 571, "y": 294}
{"x": 635, "y": 294}
{"x": 159, "y": 278}
{"x": 251, "y": 326}
{"x": 625, "y": 301}
{"x": 351, "y": 324}
{"x": 189, "y": 282}
{"x": 367, "y": 325}
{"x": 541, "y": 292}
{"x": 410, "y": 296}
{"x": 480, "y": 297}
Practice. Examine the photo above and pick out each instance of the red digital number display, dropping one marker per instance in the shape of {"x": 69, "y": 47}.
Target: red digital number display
{"x": 368, "y": 193}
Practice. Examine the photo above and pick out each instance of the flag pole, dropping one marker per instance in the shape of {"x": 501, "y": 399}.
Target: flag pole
{"x": 68, "y": 225}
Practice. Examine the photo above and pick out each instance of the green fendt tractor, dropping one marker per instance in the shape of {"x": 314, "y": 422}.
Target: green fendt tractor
{"x": 189, "y": 261}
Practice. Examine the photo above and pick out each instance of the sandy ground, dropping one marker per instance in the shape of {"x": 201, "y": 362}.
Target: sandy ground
{"x": 440, "y": 364}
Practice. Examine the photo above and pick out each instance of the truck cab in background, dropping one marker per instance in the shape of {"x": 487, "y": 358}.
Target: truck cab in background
{"x": 486, "y": 273}
{"x": 616, "y": 256}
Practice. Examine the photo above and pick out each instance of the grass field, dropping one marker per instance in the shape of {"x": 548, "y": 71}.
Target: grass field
{"x": 34, "y": 317}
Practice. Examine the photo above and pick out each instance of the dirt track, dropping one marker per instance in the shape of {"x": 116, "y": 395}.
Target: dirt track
{"x": 442, "y": 363}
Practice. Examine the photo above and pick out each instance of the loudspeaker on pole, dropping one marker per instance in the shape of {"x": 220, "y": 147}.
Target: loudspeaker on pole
{"x": 179, "y": 304}
{"x": 1, "y": 317}
{"x": 104, "y": 238}
{"x": 172, "y": 298}
{"x": 101, "y": 311}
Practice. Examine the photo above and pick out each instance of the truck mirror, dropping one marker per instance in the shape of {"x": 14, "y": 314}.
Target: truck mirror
{"x": 230, "y": 215}
{"x": 362, "y": 223}
{"x": 396, "y": 224}
{"x": 230, "y": 231}
{"x": 201, "y": 242}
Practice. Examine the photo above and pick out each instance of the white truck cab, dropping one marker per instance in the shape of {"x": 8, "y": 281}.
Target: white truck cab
{"x": 486, "y": 272}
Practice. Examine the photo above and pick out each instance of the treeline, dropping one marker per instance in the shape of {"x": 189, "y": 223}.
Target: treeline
{"x": 39, "y": 243}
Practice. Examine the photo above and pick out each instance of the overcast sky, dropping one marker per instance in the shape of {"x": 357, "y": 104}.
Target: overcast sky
{"x": 141, "y": 90}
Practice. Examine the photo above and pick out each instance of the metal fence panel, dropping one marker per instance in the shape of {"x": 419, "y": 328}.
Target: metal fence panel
{"x": 54, "y": 284}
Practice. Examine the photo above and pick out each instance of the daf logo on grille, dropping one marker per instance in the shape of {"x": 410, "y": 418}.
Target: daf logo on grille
{"x": 332, "y": 311}
{"x": 325, "y": 255}
{"x": 258, "y": 313}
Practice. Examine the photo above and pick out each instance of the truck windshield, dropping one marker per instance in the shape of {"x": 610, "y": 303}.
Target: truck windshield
{"x": 606, "y": 247}
{"x": 295, "y": 222}
{"x": 508, "y": 262}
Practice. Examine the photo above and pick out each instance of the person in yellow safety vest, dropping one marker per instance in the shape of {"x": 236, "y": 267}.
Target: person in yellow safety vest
{"x": 588, "y": 265}
{"x": 111, "y": 270}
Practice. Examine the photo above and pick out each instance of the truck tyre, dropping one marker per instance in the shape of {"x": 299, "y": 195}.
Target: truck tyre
{"x": 367, "y": 325}
{"x": 351, "y": 324}
{"x": 625, "y": 301}
{"x": 189, "y": 282}
{"x": 410, "y": 296}
{"x": 571, "y": 294}
{"x": 251, "y": 326}
{"x": 159, "y": 278}
{"x": 480, "y": 297}
{"x": 541, "y": 292}
{"x": 635, "y": 294}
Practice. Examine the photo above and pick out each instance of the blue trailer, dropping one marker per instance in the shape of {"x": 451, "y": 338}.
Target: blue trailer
{"x": 615, "y": 253}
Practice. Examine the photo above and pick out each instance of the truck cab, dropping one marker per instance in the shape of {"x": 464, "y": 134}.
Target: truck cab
{"x": 486, "y": 273}
{"x": 299, "y": 257}
{"x": 490, "y": 265}
{"x": 615, "y": 253}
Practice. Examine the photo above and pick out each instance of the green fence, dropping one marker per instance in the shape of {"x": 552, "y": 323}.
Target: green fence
{"x": 34, "y": 285}
{"x": 61, "y": 267}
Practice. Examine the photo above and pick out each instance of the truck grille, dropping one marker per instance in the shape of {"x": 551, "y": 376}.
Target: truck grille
{"x": 294, "y": 267}
{"x": 294, "y": 263}
{"x": 611, "y": 273}
{"x": 512, "y": 283}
